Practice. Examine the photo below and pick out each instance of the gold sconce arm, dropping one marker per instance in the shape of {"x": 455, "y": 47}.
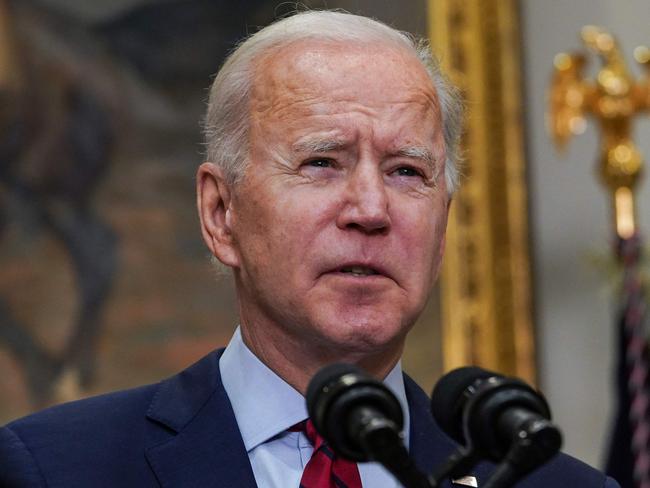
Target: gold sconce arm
{"x": 613, "y": 99}
{"x": 642, "y": 56}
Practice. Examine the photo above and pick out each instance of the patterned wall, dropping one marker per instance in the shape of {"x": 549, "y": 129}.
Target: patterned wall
{"x": 104, "y": 279}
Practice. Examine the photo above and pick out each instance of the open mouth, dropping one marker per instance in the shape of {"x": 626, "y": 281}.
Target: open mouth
{"x": 359, "y": 270}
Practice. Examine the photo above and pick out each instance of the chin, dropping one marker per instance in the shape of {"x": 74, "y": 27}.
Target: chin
{"x": 363, "y": 330}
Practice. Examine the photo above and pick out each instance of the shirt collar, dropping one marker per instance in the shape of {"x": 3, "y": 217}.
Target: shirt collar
{"x": 264, "y": 404}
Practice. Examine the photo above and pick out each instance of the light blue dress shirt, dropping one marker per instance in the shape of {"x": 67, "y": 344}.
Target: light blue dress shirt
{"x": 266, "y": 406}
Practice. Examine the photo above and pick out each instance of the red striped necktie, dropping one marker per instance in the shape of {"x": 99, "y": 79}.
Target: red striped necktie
{"x": 325, "y": 469}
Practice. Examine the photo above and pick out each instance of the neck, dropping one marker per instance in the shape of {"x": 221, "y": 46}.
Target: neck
{"x": 296, "y": 360}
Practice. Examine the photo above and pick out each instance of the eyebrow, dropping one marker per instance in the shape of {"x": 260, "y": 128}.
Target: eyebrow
{"x": 418, "y": 152}
{"x": 318, "y": 145}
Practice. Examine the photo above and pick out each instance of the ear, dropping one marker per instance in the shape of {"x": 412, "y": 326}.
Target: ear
{"x": 213, "y": 199}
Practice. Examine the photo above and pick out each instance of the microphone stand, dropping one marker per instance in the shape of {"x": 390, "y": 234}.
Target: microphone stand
{"x": 504, "y": 476}
{"x": 456, "y": 466}
{"x": 379, "y": 438}
{"x": 535, "y": 443}
{"x": 382, "y": 442}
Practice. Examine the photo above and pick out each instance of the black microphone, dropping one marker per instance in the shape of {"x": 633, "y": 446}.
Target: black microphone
{"x": 497, "y": 418}
{"x": 490, "y": 410}
{"x": 361, "y": 420}
{"x": 346, "y": 406}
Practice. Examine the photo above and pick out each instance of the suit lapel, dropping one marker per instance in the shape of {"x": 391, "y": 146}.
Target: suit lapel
{"x": 195, "y": 441}
{"x": 429, "y": 446}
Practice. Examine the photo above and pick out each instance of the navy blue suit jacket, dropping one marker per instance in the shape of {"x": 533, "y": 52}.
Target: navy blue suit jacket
{"x": 182, "y": 433}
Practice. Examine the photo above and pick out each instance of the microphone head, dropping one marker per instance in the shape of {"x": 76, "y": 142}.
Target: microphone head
{"x": 334, "y": 393}
{"x": 449, "y": 397}
{"x": 470, "y": 405}
{"x": 321, "y": 381}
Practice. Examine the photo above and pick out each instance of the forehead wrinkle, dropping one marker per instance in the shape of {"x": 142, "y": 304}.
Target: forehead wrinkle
{"x": 282, "y": 106}
{"x": 289, "y": 91}
{"x": 297, "y": 71}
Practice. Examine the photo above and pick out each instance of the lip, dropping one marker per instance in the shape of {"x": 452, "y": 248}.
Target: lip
{"x": 380, "y": 271}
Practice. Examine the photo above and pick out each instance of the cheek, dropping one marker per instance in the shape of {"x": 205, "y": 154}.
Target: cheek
{"x": 280, "y": 229}
{"x": 438, "y": 247}
{"x": 425, "y": 238}
{"x": 252, "y": 226}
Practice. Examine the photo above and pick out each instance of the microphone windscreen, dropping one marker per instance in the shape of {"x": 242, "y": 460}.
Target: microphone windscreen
{"x": 447, "y": 399}
{"x": 320, "y": 381}
{"x": 345, "y": 404}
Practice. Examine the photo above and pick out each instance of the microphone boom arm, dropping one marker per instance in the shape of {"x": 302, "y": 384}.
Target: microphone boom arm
{"x": 380, "y": 438}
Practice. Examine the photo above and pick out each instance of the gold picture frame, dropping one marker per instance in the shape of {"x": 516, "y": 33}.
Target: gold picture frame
{"x": 485, "y": 282}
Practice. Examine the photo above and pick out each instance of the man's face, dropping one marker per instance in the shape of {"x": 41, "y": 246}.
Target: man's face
{"x": 338, "y": 225}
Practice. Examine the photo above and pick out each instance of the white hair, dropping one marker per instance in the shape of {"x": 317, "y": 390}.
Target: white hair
{"x": 226, "y": 123}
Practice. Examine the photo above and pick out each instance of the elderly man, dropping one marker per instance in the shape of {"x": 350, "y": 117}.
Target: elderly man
{"x": 331, "y": 163}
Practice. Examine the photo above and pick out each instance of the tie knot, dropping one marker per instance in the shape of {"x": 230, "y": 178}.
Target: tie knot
{"x": 307, "y": 427}
{"x": 324, "y": 469}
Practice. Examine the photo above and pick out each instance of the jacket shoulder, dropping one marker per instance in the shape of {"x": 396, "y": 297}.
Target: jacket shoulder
{"x": 74, "y": 438}
{"x": 431, "y": 445}
{"x": 102, "y": 441}
{"x": 17, "y": 465}
{"x": 565, "y": 470}
{"x": 86, "y": 418}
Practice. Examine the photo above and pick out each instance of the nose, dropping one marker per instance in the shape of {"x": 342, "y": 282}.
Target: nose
{"x": 366, "y": 206}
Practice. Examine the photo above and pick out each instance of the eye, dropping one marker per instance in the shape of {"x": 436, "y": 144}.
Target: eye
{"x": 407, "y": 171}
{"x": 320, "y": 168}
{"x": 320, "y": 163}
